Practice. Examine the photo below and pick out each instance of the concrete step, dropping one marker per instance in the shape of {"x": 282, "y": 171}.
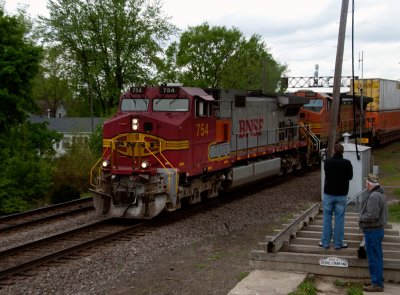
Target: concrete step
{"x": 314, "y": 242}
{"x": 352, "y": 244}
{"x": 352, "y": 224}
{"x": 349, "y": 229}
{"x": 302, "y": 253}
{"x": 347, "y": 236}
{"x": 346, "y": 219}
{"x": 317, "y": 235}
{"x": 352, "y": 250}
{"x": 310, "y": 263}
{"x": 318, "y": 228}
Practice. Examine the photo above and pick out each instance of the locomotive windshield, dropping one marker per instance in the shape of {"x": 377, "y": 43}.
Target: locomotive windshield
{"x": 134, "y": 104}
{"x": 314, "y": 105}
{"x": 171, "y": 105}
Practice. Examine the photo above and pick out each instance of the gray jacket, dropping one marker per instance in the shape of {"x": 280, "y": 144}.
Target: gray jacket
{"x": 374, "y": 213}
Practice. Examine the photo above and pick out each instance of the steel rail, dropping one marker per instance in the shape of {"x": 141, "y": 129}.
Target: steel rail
{"x": 25, "y": 249}
{"x": 28, "y": 217}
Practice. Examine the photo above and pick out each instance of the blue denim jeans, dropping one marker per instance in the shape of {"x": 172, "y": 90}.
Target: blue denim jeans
{"x": 333, "y": 205}
{"x": 373, "y": 247}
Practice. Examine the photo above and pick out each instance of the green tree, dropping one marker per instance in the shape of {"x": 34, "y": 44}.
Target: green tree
{"x": 26, "y": 166}
{"x": 168, "y": 71}
{"x": 19, "y": 63}
{"x": 203, "y": 53}
{"x": 25, "y": 149}
{"x": 51, "y": 85}
{"x": 107, "y": 45}
{"x": 71, "y": 176}
{"x": 253, "y": 67}
{"x": 96, "y": 141}
{"x": 214, "y": 56}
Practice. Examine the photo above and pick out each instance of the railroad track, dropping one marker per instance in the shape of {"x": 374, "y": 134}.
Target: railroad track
{"x": 19, "y": 221}
{"x": 24, "y": 259}
{"x": 31, "y": 258}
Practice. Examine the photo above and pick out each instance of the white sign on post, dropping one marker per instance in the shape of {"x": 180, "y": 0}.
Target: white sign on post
{"x": 333, "y": 261}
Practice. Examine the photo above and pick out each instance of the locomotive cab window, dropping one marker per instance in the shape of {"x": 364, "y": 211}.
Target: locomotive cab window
{"x": 170, "y": 105}
{"x": 134, "y": 104}
{"x": 314, "y": 105}
{"x": 203, "y": 108}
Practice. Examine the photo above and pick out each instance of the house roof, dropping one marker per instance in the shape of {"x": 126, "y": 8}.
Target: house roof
{"x": 69, "y": 124}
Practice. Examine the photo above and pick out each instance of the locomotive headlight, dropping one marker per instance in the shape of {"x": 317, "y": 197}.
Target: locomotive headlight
{"x": 145, "y": 165}
{"x": 135, "y": 124}
{"x": 106, "y": 164}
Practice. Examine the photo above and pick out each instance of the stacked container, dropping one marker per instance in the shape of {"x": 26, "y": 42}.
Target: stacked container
{"x": 382, "y": 115}
{"x": 386, "y": 93}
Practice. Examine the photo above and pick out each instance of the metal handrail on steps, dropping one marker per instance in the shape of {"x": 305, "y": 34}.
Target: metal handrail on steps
{"x": 277, "y": 241}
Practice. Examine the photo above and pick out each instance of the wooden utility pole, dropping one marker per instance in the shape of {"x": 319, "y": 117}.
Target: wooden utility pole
{"x": 337, "y": 77}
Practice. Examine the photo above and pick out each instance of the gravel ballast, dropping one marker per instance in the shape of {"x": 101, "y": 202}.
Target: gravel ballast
{"x": 205, "y": 254}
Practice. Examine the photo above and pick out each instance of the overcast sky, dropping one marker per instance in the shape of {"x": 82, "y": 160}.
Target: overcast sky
{"x": 299, "y": 33}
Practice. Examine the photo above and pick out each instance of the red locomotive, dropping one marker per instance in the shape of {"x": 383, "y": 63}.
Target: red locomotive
{"x": 171, "y": 144}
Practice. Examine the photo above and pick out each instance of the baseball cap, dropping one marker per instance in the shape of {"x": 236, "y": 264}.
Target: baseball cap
{"x": 373, "y": 178}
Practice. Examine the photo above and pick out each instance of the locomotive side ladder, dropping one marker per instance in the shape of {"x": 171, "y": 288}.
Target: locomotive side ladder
{"x": 313, "y": 142}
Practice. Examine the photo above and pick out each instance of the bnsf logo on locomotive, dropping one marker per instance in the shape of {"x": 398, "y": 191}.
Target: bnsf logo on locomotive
{"x": 251, "y": 127}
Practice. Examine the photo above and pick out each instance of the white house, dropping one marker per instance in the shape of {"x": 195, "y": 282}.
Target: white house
{"x": 74, "y": 130}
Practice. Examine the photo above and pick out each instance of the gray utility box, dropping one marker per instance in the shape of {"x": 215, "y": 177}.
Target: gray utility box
{"x": 361, "y": 167}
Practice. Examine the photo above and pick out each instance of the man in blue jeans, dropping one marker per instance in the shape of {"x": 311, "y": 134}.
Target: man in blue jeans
{"x": 373, "y": 217}
{"x": 338, "y": 173}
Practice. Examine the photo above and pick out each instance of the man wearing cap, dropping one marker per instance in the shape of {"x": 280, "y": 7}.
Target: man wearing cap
{"x": 373, "y": 217}
{"x": 338, "y": 173}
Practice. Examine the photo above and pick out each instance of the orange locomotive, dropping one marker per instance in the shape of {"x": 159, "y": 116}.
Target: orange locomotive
{"x": 378, "y": 120}
{"x": 316, "y": 114}
{"x": 170, "y": 144}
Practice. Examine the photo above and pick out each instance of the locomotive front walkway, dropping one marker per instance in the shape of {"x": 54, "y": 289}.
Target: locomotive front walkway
{"x": 300, "y": 254}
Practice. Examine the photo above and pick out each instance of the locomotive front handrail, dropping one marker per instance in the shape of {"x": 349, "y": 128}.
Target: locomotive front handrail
{"x": 310, "y": 134}
{"x": 92, "y": 171}
{"x": 314, "y": 143}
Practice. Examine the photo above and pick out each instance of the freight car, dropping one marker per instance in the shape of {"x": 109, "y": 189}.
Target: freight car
{"x": 170, "y": 144}
{"x": 383, "y": 112}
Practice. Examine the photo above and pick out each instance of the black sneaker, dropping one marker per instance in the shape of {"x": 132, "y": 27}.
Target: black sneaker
{"x": 367, "y": 283}
{"x": 322, "y": 245}
{"x": 373, "y": 288}
{"x": 344, "y": 245}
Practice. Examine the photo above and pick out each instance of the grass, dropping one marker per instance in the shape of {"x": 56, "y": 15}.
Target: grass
{"x": 394, "y": 213}
{"x": 200, "y": 266}
{"x": 215, "y": 257}
{"x": 387, "y": 158}
{"x": 307, "y": 287}
{"x": 242, "y": 275}
{"x": 205, "y": 264}
{"x": 352, "y": 288}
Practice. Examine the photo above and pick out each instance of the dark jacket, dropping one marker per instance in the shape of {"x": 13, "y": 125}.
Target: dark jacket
{"x": 338, "y": 173}
{"x": 373, "y": 214}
